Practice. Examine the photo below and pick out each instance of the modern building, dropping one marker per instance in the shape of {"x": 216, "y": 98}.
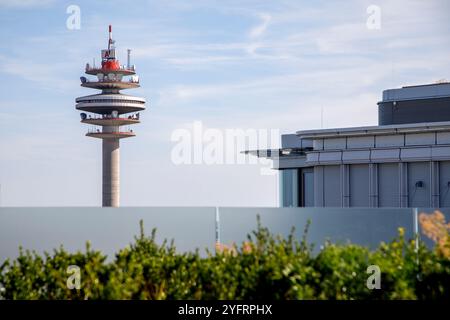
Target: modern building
{"x": 402, "y": 162}
{"x": 107, "y": 110}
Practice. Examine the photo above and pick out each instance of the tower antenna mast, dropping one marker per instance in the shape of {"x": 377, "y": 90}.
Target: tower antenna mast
{"x": 110, "y": 38}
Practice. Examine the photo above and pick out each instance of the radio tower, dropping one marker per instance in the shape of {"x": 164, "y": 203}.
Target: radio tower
{"x": 107, "y": 110}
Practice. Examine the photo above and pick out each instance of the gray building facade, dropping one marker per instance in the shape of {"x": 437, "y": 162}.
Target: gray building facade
{"x": 403, "y": 162}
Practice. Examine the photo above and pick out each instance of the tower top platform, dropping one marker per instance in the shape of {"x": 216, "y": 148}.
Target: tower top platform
{"x": 103, "y": 70}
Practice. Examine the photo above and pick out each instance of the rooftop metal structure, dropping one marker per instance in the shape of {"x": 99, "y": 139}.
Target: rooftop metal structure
{"x": 415, "y": 104}
{"x": 424, "y": 91}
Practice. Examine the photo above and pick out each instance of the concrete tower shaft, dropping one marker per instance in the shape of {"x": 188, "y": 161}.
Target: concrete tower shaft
{"x": 111, "y": 173}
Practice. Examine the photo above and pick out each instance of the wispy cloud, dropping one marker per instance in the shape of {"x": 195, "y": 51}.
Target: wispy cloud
{"x": 259, "y": 30}
{"x": 47, "y": 75}
{"x": 25, "y": 3}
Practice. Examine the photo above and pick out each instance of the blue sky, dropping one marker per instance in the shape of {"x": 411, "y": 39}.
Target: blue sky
{"x": 230, "y": 64}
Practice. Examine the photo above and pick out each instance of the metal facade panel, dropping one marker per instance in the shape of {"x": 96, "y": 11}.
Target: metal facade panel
{"x": 414, "y": 92}
{"x": 345, "y": 185}
{"x": 414, "y": 111}
{"x": 289, "y": 162}
{"x": 360, "y": 142}
{"x": 334, "y": 143}
{"x": 396, "y": 140}
{"x": 325, "y": 157}
{"x": 312, "y": 157}
{"x": 373, "y": 181}
{"x": 359, "y": 185}
{"x": 419, "y": 184}
{"x": 444, "y": 184}
{"x": 388, "y": 185}
{"x": 435, "y": 184}
{"x": 385, "y": 155}
{"x": 318, "y": 186}
{"x": 332, "y": 186}
{"x": 414, "y": 154}
{"x": 440, "y": 153}
{"x": 356, "y": 156}
{"x": 443, "y": 138}
{"x": 420, "y": 139}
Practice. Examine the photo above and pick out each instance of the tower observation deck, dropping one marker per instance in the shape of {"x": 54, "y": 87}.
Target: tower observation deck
{"x": 108, "y": 112}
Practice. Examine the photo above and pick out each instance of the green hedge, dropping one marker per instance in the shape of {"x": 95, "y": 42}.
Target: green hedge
{"x": 264, "y": 267}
